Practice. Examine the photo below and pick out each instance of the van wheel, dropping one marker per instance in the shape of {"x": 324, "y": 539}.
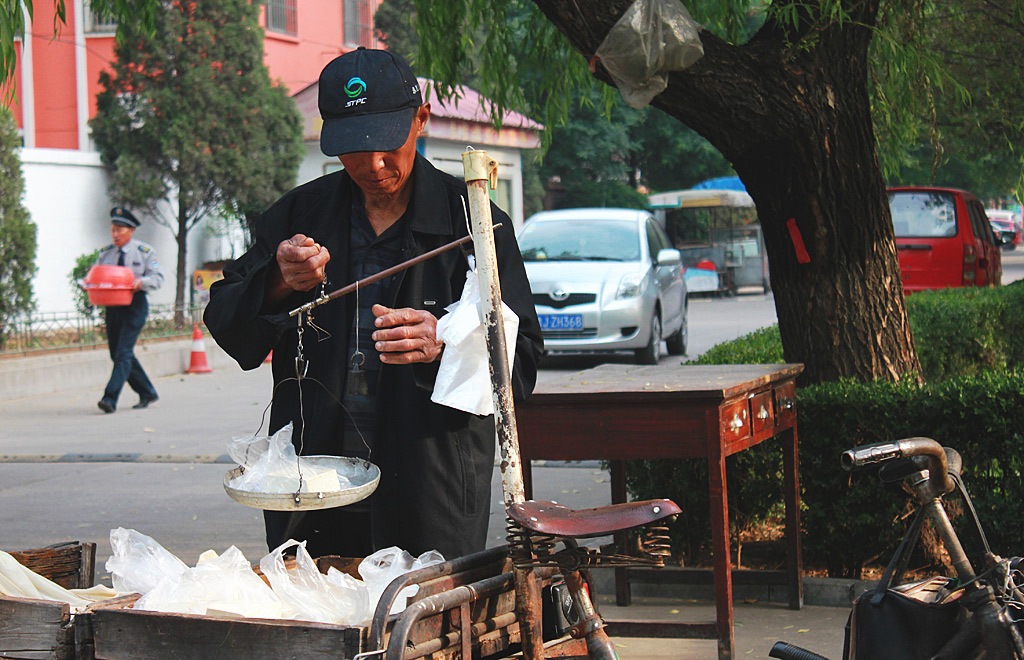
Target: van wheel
{"x": 652, "y": 352}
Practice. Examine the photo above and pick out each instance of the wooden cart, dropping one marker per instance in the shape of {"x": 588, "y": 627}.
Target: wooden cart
{"x": 463, "y": 608}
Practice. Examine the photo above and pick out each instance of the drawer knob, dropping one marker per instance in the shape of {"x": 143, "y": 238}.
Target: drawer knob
{"x": 762, "y": 413}
{"x": 787, "y": 403}
{"x": 736, "y": 423}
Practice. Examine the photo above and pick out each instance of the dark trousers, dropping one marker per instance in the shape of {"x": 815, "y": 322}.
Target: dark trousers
{"x": 123, "y": 327}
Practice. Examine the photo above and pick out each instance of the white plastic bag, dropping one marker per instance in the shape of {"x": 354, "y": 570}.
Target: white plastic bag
{"x": 463, "y": 380}
{"x": 271, "y": 466}
{"x": 222, "y": 585}
{"x": 309, "y": 595}
{"x": 382, "y": 567}
{"x": 138, "y": 563}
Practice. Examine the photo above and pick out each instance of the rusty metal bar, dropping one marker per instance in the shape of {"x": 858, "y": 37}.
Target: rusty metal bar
{"x": 436, "y": 604}
{"x": 388, "y": 272}
{"x": 459, "y": 564}
{"x": 480, "y": 170}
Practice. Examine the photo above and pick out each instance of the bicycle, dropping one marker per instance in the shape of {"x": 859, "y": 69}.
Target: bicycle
{"x": 987, "y": 605}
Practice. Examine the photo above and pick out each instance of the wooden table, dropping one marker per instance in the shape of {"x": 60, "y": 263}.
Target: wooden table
{"x": 618, "y": 412}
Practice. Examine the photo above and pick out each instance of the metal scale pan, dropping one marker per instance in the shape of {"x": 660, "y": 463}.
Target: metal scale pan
{"x": 364, "y": 474}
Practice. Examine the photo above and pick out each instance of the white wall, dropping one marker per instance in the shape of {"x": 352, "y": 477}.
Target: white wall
{"x": 66, "y": 196}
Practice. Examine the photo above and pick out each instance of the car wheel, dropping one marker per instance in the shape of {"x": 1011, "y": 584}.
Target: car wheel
{"x": 676, "y": 343}
{"x": 650, "y": 353}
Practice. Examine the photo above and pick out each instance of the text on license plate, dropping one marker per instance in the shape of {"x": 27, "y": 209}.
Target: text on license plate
{"x": 561, "y": 321}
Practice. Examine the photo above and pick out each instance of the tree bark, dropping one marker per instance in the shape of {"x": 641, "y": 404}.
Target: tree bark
{"x": 795, "y": 123}
{"x": 181, "y": 235}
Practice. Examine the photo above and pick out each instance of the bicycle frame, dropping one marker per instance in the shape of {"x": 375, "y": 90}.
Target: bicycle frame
{"x": 928, "y": 471}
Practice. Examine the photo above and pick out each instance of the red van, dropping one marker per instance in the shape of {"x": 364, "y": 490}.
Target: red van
{"x": 943, "y": 238}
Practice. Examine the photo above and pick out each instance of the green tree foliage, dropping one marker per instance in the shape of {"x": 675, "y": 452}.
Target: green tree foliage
{"x": 394, "y": 23}
{"x": 602, "y": 155}
{"x": 974, "y": 144}
{"x": 83, "y": 263}
{"x": 17, "y": 231}
{"x": 190, "y": 123}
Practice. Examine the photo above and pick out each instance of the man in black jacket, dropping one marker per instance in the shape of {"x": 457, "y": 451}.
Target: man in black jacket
{"x": 372, "y": 356}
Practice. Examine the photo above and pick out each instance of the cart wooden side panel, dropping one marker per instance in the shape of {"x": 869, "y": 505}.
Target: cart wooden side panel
{"x": 120, "y": 634}
{"x": 35, "y": 630}
{"x": 42, "y": 629}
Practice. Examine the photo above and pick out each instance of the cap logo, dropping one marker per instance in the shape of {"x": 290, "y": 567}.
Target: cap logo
{"x": 355, "y": 87}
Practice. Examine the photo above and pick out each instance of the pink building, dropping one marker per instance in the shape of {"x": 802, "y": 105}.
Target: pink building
{"x": 57, "y": 78}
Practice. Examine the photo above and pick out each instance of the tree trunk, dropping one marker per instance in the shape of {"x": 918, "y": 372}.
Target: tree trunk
{"x": 795, "y": 123}
{"x": 181, "y": 235}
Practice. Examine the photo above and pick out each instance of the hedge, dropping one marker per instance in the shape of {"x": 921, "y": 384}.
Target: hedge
{"x": 970, "y": 344}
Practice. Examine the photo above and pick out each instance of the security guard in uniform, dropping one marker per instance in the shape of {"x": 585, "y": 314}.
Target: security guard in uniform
{"x": 125, "y": 323}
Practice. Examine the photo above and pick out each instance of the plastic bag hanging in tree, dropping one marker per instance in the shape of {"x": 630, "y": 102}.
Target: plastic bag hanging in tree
{"x": 651, "y": 39}
{"x": 463, "y": 379}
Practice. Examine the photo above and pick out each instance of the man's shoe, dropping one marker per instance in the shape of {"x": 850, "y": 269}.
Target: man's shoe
{"x": 144, "y": 403}
{"x": 106, "y": 406}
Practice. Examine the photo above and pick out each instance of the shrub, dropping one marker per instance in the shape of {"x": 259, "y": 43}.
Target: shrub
{"x": 967, "y": 331}
{"x": 17, "y": 231}
{"x": 82, "y": 265}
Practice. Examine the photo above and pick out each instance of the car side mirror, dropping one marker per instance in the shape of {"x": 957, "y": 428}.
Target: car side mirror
{"x": 669, "y": 257}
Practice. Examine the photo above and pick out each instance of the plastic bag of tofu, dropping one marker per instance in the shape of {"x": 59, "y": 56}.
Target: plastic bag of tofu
{"x": 271, "y": 466}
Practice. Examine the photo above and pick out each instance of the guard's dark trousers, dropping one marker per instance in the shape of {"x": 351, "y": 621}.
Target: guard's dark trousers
{"x": 123, "y": 327}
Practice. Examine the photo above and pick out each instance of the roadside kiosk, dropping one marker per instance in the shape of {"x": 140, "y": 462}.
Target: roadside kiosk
{"x": 716, "y": 232}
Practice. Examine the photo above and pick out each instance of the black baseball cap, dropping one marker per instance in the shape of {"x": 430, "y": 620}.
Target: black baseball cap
{"x": 367, "y": 99}
{"x": 122, "y": 216}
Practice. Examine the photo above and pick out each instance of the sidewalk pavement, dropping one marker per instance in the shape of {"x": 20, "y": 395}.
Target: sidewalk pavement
{"x": 67, "y": 471}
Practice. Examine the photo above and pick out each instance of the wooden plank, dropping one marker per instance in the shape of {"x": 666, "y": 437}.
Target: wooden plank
{"x": 590, "y": 431}
{"x": 705, "y": 576}
{"x": 618, "y": 382}
{"x": 131, "y": 634}
{"x": 35, "y": 629}
{"x": 661, "y": 629}
{"x": 62, "y": 564}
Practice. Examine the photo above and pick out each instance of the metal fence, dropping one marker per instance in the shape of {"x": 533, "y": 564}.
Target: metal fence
{"x": 37, "y": 333}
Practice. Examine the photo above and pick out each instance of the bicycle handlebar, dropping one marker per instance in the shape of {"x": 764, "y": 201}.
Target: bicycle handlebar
{"x": 938, "y": 476}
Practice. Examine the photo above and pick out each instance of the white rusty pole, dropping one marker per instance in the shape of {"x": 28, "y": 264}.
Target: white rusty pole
{"x": 480, "y": 170}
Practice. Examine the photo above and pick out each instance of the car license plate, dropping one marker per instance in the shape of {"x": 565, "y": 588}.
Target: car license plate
{"x": 561, "y": 321}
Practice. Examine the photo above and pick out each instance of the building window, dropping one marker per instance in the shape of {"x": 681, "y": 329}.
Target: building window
{"x": 99, "y": 22}
{"x": 358, "y": 22}
{"x": 282, "y": 16}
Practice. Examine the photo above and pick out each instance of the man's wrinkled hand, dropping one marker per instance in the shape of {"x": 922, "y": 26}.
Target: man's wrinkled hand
{"x": 301, "y": 262}
{"x": 406, "y": 335}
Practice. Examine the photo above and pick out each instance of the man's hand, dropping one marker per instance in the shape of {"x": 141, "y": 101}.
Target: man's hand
{"x": 406, "y": 335}
{"x": 300, "y": 266}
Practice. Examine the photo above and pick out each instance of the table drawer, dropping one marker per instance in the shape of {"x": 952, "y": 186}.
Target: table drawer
{"x": 735, "y": 421}
{"x": 762, "y": 413}
{"x": 785, "y": 403}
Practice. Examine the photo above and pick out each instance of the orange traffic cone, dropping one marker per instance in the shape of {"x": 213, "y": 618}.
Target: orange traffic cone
{"x": 198, "y": 363}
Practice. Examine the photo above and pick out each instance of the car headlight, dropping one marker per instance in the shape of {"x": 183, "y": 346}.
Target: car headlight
{"x": 630, "y": 286}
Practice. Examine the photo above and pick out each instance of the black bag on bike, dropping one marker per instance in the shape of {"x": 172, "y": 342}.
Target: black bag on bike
{"x": 909, "y": 622}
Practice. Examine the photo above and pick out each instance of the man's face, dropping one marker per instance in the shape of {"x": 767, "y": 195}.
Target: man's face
{"x": 120, "y": 234}
{"x": 385, "y": 173}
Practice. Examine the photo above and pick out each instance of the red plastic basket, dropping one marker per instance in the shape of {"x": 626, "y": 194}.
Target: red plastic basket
{"x": 110, "y": 286}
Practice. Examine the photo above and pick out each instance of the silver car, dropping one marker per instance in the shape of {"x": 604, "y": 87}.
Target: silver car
{"x": 605, "y": 280}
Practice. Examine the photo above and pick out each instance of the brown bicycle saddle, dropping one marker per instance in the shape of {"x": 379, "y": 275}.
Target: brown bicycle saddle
{"x": 554, "y": 519}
